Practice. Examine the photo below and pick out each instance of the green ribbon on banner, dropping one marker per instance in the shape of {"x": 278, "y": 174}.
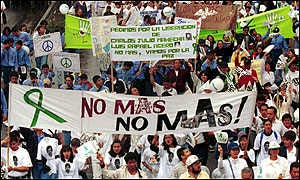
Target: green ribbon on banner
{"x": 77, "y": 33}
{"x": 38, "y": 107}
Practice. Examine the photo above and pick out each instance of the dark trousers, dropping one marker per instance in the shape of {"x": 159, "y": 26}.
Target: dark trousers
{"x": 201, "y": 150}
{"x": 275, "y": 53}
{"x": 5, "y": 71}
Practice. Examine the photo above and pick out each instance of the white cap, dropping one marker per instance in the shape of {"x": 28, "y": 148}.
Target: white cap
{"x": 191, "y": 160}
{"x": 274, "y": 145}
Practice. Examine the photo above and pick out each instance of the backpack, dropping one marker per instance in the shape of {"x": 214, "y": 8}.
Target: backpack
{"x": 261, "y": 137}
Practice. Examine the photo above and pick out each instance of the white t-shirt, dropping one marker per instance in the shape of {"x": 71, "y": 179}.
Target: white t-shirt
{"x": 134, "y": 19}
{"x": 236, "y": 164}
{"x": 67, "y": 169}
{"x": 48, "y": 148}
{"x": 19, "y": 158}
{"x": 251, "y": 154}
{"x": 264, "y": 145}
{"x": 114, "y": 162}
{"x": 160, "y": 90}
{"x": 292, "y": 156}
{"x": 167, "y": 161}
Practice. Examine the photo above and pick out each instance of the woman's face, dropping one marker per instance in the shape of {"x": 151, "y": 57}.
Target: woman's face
{"x": 290, "y": 54}
{"x": 203, "y": 77}
{"x": 67, "y": 154}
{"x": 267, "y": 67}
{"x": 259, "y": 50}
{"x": 243, "y": 143}
{"x": 117, "y": 148}
{"x": 168, "y": 140}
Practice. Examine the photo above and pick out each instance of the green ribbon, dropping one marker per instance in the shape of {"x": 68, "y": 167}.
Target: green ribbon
{"x": 38, "y": 108}
{"x": 195, "y": 48}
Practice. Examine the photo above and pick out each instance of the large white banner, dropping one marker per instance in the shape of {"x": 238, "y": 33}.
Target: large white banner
{"x": 46, "y": 44}
{"x": 100, "y": 32}
{"x": 63, "y": 61}
{"x": 115, "y": 113}
{"x": 140, "y": 43}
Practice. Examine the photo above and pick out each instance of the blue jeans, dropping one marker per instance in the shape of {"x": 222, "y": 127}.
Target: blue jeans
{"x": 38, "y": 172}
{"x": 67, "y": 137}
{"x": 278, "y": 77}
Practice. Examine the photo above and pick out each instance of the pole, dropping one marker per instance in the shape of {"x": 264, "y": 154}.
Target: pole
{"x": 112, "y": 76}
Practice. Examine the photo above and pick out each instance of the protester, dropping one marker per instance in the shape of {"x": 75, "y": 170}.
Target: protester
{"x": 194, "y": 169}
{"x": 277, "y": 93}
{"x": 231, "y": 167}
{"x": 274, "y": 166}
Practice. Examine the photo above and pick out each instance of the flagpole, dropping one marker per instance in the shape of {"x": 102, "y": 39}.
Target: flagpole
{"x": 112, "y": 77}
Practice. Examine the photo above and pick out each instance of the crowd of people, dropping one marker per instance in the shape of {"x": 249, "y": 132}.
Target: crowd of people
{"x": 269, "y": 148}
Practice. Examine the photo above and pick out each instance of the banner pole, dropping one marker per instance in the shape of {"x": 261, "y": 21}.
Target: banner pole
{"x": 112, "y": 77}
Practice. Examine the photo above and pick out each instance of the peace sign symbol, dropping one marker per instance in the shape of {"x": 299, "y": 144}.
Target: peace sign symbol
{"x": 66, "y": 62}
{"x": 47, "y": 45}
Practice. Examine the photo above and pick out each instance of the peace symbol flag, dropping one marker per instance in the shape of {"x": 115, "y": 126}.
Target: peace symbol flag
{"x": 77, "y": 33}
{"x": 46, "y": 44}
{"x": 63, "y": 61}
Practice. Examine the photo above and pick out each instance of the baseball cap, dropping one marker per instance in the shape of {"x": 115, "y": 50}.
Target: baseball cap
{"x": 33, "y": 72}
{"x": 192, "y": 159}
{"x": 274, "y": 145}
{"x": 276, "y": 30}
{"x": 241, "y": 134}
{"x": 47, "y": 81}
{"x": 222, "y": 63}
{"x": 233, "y": 145}
{"x": 209, "y": 51}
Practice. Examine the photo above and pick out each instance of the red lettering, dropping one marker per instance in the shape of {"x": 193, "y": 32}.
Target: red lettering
{"x": 119, "y": 105}
{"x": 158, "y": 106}
{"x": 85, "y": 106}
{"x": 103, "y": 106}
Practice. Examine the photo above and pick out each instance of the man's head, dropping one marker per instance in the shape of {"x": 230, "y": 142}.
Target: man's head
{"x": 75, "y": 143}
{"x": 271, "y": 113}
{"x": 294, "y": 170}
{"x": 15, "y": 31}
{"x": 19, "y": 44}
{"x": 263, "y": 110}
{"x": 98, "y": 81}
{"x": 233, "y": 149}
{"x": 276, "y": 30}
{"x": 69, "y": 80}
{"x": 14, "y": 77}
{"x": 33, "y": 74}
{"x": 183, "y": 153}
{"x": 247, "y": 62}
{"x": 289, "y": 138}
{"x": 83, "y": 78}
{"x": 14, "y": 142}
{"x": 193, "y": 164}
{"x": 247, "y": 173}
{"x": 245, "y": 30}
{"x": 131, "y": 161}
{"x": 267, "y": 126}
{"x": 45, "y": 68}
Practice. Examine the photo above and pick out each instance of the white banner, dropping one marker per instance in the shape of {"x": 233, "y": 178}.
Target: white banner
{"x": 100, "y": 32}
{"x": 140, "y": 43}
{"x": 46, "y": 44}
{"x": 116, "y": 113}
{"x": 63, "y": 61}
{"x": 44, "y": 108}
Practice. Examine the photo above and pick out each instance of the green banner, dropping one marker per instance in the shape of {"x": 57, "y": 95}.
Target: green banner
{"x": 217, "y": 34}
{"x": 77, "y": 33}
{"x": 277, "y": 18}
